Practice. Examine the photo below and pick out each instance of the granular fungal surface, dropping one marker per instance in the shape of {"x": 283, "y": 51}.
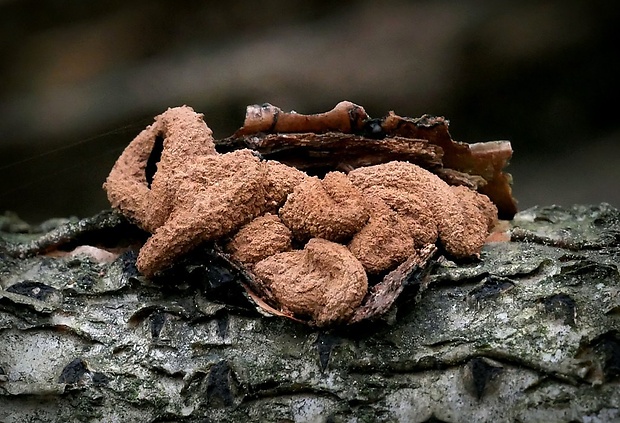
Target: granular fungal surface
{"x": 310, "y": 234}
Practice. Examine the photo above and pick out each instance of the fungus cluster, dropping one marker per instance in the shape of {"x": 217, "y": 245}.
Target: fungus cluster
{"x": 312, "y": 241}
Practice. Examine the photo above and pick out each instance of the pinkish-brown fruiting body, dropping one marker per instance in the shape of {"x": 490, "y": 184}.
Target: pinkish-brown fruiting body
{"x": 385, "y": 241}
{"x": 331, "y": 208}
{"x": 196, "y": 194}
{"x": 323, "y": 281}
{"x": 428, "y": 206}
{"x": 263, "y": 237}
{"x": 368, "y": 221}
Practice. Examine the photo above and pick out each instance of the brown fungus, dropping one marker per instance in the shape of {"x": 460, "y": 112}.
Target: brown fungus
{"x": 384, "y": 242}
{"x": 389, "y": 211}
{"x": 331, "y": 208}
{"x": 182, "y": 134}
{"x": 280, "y": 181}
{"x": 196, "y": 194}
{"x": 323, "y": 281}
{"x": 263, "y": 237}
{"x": 218, "y": 195}
{"x": 461, "y": 221}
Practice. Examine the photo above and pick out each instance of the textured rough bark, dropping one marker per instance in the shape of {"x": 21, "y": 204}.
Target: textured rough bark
{"x": 529, "y": 333}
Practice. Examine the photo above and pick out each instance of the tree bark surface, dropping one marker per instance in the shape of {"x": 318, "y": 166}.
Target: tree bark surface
{"x": 528, "y": 333}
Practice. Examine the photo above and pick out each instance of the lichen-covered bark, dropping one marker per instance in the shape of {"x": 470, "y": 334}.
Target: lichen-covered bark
{"x": 529, "y": 333}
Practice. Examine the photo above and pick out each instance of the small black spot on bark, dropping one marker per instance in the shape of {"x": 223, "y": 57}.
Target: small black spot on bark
{"x": 128, "y": 260}
{"x": 219, "y": 390}
{"x": 156, "y": 323}
{"x": 73, "y": 372}
{"x": 492, "y": 287}
{"x": 570, "y": 257}
{"x": 99, "y": 379}
{"x": 373, "y": 129}
{"x": 32, "y": 289}
{"x": 215, "y": 276}
{"x": 433, "y": 419}
{"x": 562, "y": 307}
{"x": 330, "y": 419}
{"x": 222, "y": 325}
{"x": 609, "y": 349}
{"x": 481, "y": 373}
{"x": 219, "y": 276}
{"x": 325, "y": 344}
{"x": 85, "y": 282}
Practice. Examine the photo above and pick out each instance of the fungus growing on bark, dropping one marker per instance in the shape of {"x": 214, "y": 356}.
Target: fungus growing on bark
{"x": 323, "y": 281}
{"x": 331, "y": 208}
{"x": 385, "y": 241}
{"x": 429, "y": 207}
{"x": 196, "y": 194}
{"x": 424, "y": 141}
{"x": 263, "y": 237}
{"x": 381, "y": 214}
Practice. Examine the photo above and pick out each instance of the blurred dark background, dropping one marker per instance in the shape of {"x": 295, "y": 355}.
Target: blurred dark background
{"x": 78, "y": 80}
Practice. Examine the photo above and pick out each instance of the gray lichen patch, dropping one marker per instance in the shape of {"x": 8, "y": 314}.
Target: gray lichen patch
{"x": 578, "y": 227}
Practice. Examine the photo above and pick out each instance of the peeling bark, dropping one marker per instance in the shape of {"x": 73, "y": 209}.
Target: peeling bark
{"x": 530, "y": 332}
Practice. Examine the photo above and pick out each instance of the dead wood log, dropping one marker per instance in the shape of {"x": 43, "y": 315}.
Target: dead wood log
{"x": 530, "y": 332}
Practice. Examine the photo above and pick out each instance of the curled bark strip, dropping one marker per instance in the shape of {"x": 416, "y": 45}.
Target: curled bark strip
{"x": 340, "y": 151}
{"x": 346, "y": 117}
{"x": 345, "y": 138}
